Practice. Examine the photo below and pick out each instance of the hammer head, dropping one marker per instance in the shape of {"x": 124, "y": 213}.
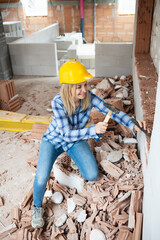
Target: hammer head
{"x": 112, "y": 108}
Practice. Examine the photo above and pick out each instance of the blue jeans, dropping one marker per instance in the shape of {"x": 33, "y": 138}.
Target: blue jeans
{"x": 80, "y": 153}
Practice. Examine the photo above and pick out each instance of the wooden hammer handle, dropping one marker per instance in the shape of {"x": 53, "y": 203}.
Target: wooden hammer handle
{"x": 108, "y": 116}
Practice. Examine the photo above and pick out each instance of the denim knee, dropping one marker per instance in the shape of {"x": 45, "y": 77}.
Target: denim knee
{"x": 41, "y": 180}
{"x": 92, "y": 176}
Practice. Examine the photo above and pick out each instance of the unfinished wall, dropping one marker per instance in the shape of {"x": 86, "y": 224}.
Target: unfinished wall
{"x": 110, "y": 26}
{"x": 147, "y": 106}
{"x": 113, "y": 59}
{"x": 36, "y": 54}
{"x": 151, "y": 230}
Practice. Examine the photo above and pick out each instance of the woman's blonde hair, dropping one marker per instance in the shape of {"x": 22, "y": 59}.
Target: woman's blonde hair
{"x": 68, "y": 92}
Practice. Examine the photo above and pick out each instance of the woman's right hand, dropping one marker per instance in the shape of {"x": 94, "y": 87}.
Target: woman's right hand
{"x": 101, "y": 127}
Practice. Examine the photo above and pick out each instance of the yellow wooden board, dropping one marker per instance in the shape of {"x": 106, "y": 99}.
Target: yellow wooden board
{"x": 19, "y": 122}
{"x": 8, "y": 116}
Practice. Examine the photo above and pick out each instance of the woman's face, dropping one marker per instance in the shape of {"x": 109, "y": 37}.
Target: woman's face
{"x": 81, "y": 89}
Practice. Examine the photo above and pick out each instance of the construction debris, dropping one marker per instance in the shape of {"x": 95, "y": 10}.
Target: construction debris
{"x": 109, "y": 208}
{"x": 57, "y": 197}
{"x": 1, "y": 201}
{"x": 97, "y": 234}
{"x": 9, "y": 100}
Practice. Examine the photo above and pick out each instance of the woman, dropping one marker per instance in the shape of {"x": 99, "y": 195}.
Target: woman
{"x": 68, "y": 132}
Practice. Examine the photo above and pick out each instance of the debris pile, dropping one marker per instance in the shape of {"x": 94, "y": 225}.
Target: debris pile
{"x": 109, "y": 208}
{"x": 9, "y": 100}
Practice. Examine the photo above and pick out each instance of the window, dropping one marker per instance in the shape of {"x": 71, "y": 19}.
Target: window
{"x": 126, "y": 6}
{"x": 35, "y": 7}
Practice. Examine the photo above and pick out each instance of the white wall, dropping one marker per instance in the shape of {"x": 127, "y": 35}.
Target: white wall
{"x": 151, "y": 171}
{"x": 36, "y": 54}
{"x": 155, "y": 37}
{"x": 113, "y": 59}
{"x": 151, "y": 203}
{"x": 45, "y": 35}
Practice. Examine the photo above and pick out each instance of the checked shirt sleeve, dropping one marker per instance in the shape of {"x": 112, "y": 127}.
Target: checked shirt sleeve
{"x": 121, "y": 117}
{"x": 65, "y": 128}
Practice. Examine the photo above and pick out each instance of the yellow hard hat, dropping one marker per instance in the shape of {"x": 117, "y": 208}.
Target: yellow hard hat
{"x": 73, "y": 72}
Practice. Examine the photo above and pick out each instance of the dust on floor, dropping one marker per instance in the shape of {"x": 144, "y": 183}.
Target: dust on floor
{"x": 16, "y": 176}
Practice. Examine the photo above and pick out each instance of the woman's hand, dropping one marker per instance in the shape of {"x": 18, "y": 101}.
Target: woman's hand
{"x": 101, "y": 127}
{"x": 141, "y": 124}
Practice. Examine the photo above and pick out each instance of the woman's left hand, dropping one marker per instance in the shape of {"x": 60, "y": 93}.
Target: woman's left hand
{"x": 141, "y": 124}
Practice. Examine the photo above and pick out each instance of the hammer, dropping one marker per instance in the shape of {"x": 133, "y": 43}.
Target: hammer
{"x": 108, "y": 116}
{"x": 117, "y": 110}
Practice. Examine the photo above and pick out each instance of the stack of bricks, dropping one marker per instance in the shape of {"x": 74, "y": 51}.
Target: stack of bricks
{"x": 9, "y": 100}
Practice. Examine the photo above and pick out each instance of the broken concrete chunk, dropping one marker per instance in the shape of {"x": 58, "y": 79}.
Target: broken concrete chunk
{"x": 82, "y": 216}
{"x": 48, "y": 194}
{"x": 132, "y": 217}
{"x": 66, "y": 178}
{"x": 122, "y": 77}
{"x": 126, "y": 157}
{"x": 127, "y": 102}
{"x": 73, "y": 165}
{"x": 119, "y": 95}
{"x": 125, "y": 93}
{"x": 117, "y": 87}
{"x": 98, "y": 149}
{"x": 57, "y": 197}
{"x": 70, "y": 205}
{"x": 104, "y": 84}
{"x": 61, "y": 220}
{"x": 119, "y": 138}
{"x": 114, "y": 156}
{"x": 129, "y": 140}
{"x": 97, "y": 234}
{"x": 111, "y": 80}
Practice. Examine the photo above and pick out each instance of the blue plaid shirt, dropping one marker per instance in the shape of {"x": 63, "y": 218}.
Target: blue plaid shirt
{"x": 64, "y": 130}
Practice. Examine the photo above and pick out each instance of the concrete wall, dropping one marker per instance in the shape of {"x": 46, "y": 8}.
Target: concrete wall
{"x": 35, "y": 54}
{"x": 110, "y": 26}
{"x": 113, "y": 59}
{"x": 155, "y": 37}
{"x": 151, "y": 207}
{"x": 46, "y": 35}
{"x": 150, "y": 158}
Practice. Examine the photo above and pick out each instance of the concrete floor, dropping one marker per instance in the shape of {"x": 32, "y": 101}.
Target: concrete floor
{"x": 16, "y": 176}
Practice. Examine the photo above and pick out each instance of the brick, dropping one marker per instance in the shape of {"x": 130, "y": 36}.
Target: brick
{"x": 16, "y": 213}
{"x": 27, "y": 200}
{"x": 7, "y": 89}
{"x": 112, "y": 169}
{"x": 8, "y": 230}
{"x": 137, "y": 234}
{"x": 37, "y": 130}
